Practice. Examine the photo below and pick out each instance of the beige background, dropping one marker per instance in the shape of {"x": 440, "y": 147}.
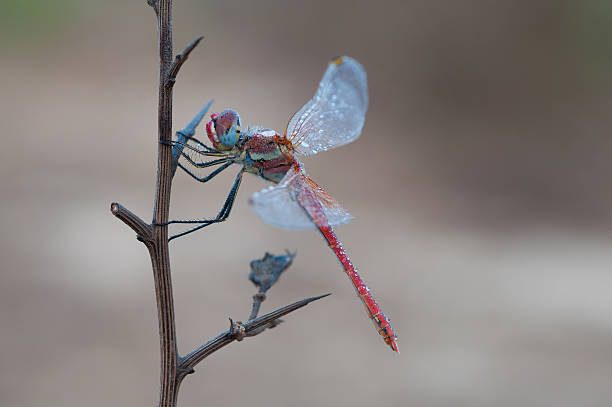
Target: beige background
{"x": 480, "y": 187}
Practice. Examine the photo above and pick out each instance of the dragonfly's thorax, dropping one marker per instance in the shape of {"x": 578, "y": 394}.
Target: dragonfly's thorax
{"x": 266, "y": 153}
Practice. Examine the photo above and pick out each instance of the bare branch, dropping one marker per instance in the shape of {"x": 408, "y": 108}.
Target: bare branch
{"x": 269, "y": 317}
{"x": 159, "y": 251}
{"x": 188, "y": 362}
{"x": 142, "y": 229}
{"x": 257, "y": 300}
{"x": 179, "y": 60}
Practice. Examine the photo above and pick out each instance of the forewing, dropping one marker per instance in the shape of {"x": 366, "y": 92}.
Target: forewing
{"x": 290, "y": 203}
{"x": 335, "y": 115}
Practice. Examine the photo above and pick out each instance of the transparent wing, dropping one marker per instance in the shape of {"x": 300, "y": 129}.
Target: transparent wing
{"x": 285, "y": 204}
{"x": 336, "y": 113}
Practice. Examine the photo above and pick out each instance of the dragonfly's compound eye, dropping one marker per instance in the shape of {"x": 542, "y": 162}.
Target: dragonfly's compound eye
{"x": 224, "y": 129}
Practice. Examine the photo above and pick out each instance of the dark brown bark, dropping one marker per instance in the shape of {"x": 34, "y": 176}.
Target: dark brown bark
{"x": 160, "y": 256}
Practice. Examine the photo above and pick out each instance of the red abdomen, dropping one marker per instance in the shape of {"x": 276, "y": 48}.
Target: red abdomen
{"x": 381, "y": 321}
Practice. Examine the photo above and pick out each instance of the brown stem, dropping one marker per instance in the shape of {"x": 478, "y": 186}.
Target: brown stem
{"x": 189, "y": 361}
{"x": 160, "y": 258}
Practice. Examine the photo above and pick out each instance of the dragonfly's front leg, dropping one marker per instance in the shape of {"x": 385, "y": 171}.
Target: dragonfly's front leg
{"x": 204, "y": 146}
{"x": 210, "y": 152}
{"x": 221, "y": 216}
{"x": 227, "y": 160}
{"x": 209, "y": 176}
{"x": 177, "y": 152}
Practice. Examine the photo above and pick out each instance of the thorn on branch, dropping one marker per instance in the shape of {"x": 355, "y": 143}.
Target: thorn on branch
{"x": 271, "y": 316}
{"x": 196, "y": 356}
{"x": 179, "y": 59}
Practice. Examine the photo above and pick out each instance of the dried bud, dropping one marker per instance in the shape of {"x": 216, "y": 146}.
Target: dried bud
{"x": 266, "y": 271}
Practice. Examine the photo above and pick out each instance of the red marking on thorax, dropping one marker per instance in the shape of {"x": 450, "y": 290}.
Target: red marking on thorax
{"x": 269, "y": 153}
{"x": 260, "y": 145}
{"x": 266, "y": 144}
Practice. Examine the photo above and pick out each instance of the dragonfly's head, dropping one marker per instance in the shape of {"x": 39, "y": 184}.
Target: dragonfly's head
{"x": 223, "y": 129}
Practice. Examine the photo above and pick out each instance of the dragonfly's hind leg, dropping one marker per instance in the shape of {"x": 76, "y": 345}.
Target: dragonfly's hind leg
{"x": 221, "y": 216}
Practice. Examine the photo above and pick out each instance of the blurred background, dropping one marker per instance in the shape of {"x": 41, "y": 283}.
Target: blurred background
{"x": 480, "y": 187}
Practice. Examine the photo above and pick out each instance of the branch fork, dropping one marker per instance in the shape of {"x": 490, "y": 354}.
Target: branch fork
{"x": 179, "y": 60}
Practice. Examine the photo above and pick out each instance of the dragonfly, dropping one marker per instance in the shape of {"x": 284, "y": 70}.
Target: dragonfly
{"x": 333, "y": 117}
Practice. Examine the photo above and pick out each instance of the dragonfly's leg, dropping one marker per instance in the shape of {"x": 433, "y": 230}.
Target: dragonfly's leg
{"x": 213, "y": 153}
{"x": 205, "y": 164}
{"x": 204, "y": 146}
{"x": 223, "y": 214}
{"x": 209, "y": 176}
{"x": 178, "y": 146}
{"x": 231, "y": 197}
{"x": 205, "y": 179}
{"x": 209, "y": 151}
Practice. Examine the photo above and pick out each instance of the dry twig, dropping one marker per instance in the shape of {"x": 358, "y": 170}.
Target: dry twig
{"x": 238, "y": 330}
